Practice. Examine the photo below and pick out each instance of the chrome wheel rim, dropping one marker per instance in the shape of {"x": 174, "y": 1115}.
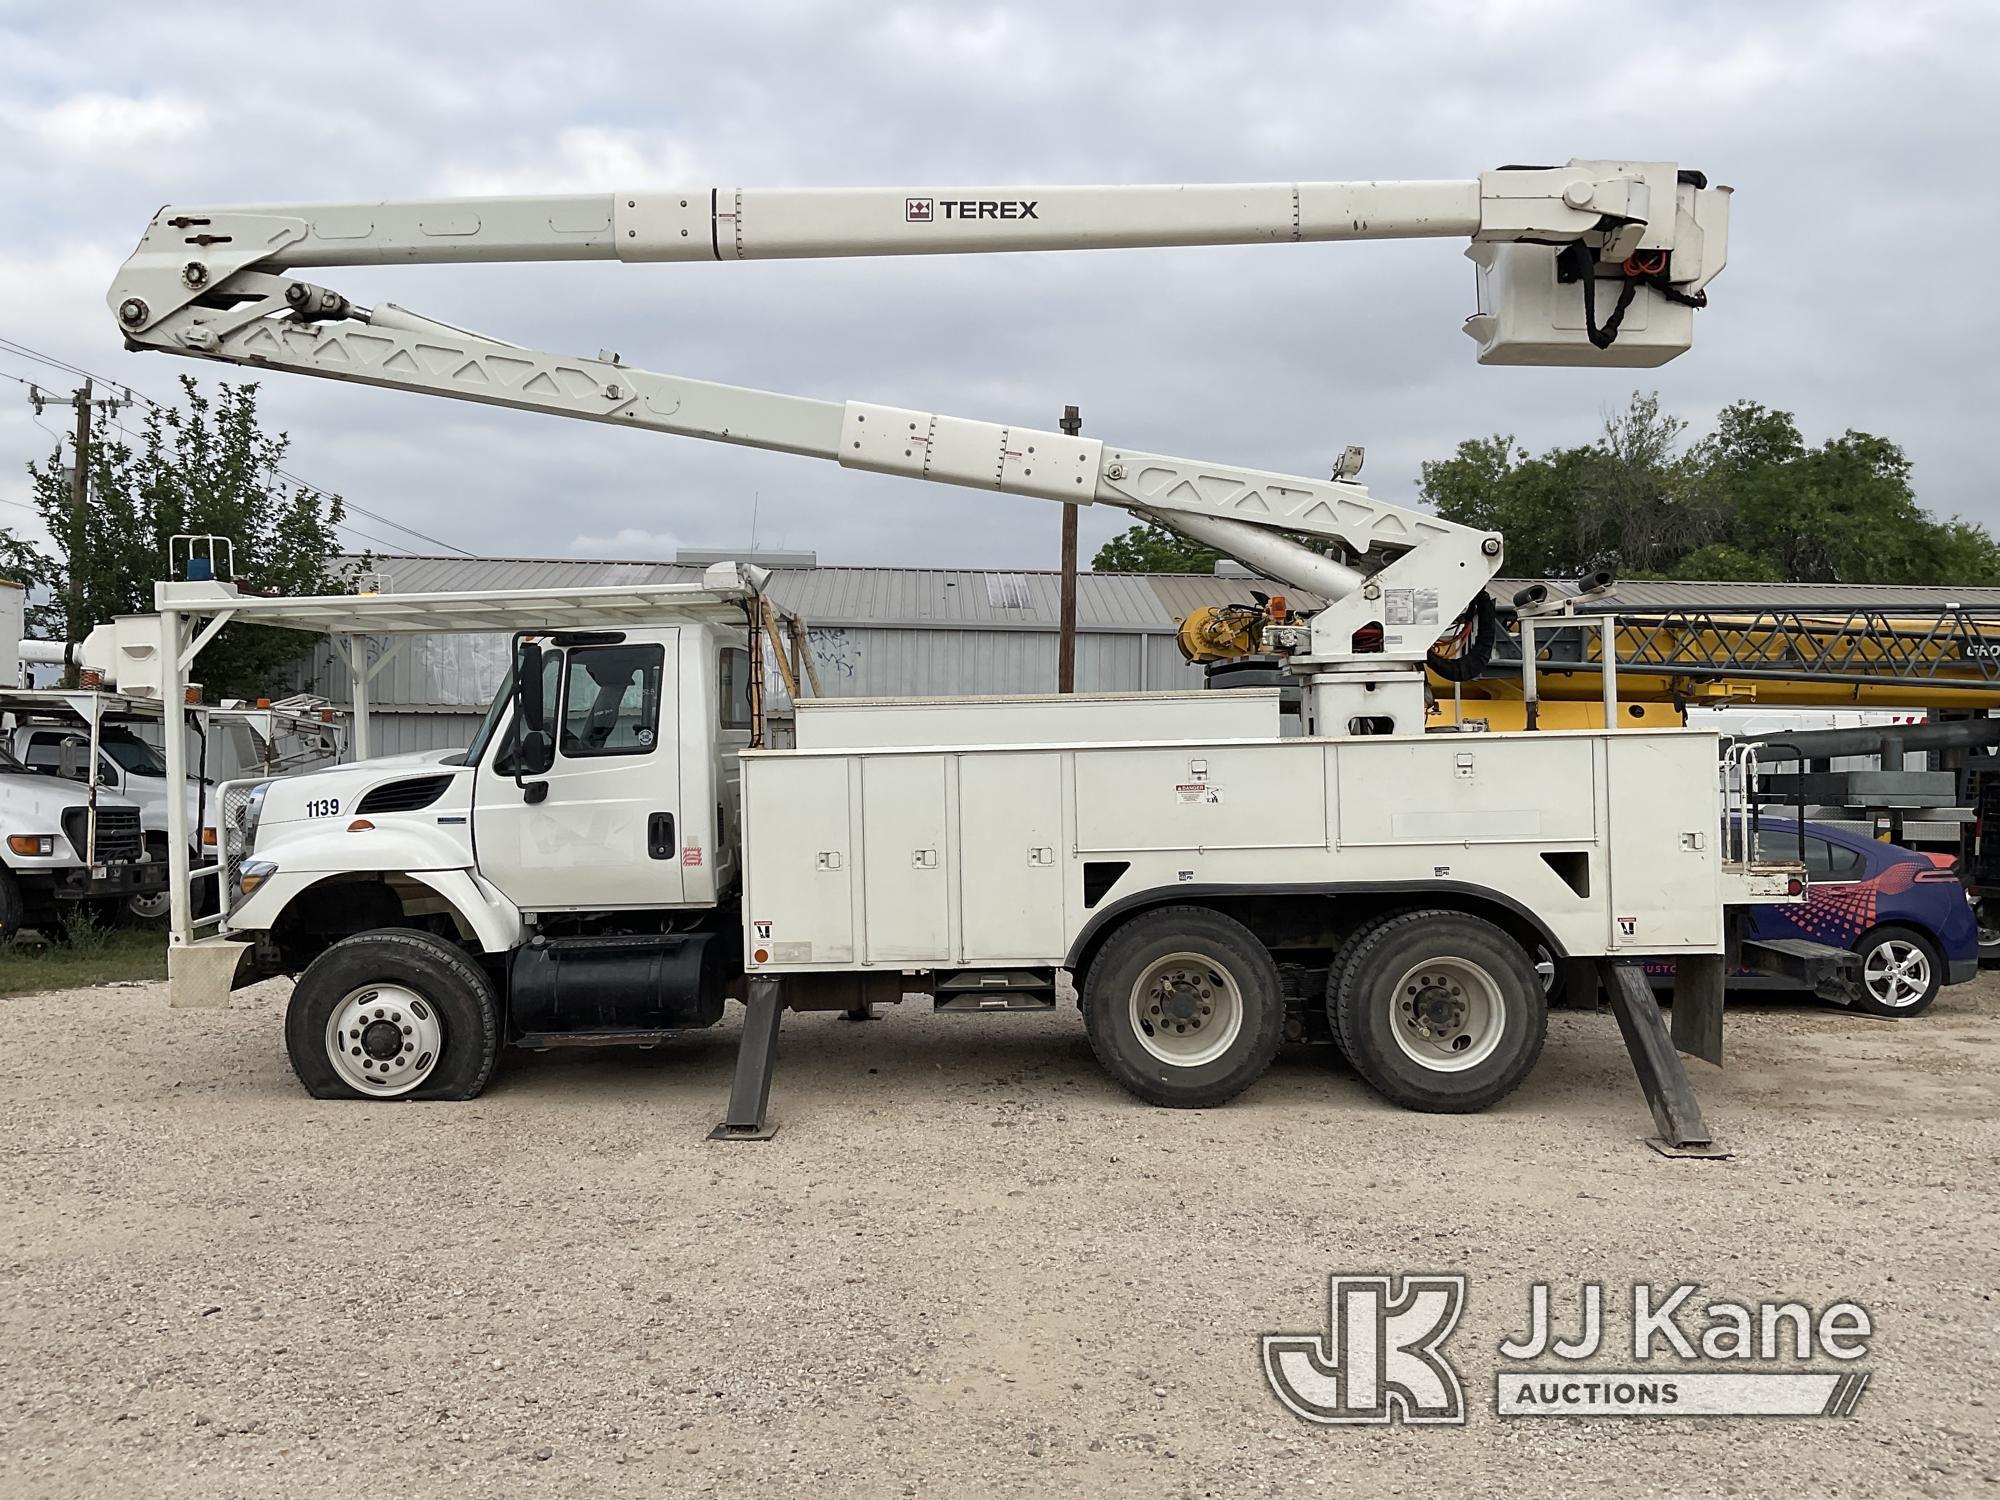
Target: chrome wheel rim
{"x": 1447, "y": 1014}
{"x": 1186, "y": 1010}
{"x": 384, "y": 1039}
{"x": 1897, "y": 973}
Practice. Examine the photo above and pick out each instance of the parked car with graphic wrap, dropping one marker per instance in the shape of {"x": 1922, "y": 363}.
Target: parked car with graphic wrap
{"x": 1905, "y": 913}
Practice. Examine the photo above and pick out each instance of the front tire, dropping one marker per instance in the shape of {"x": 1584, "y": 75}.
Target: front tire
{"x": 1183, "y": 1007}
{"x": 12, "y": 907}
{"x": 393, "y": 1014}
{"x": 1440, "y": 1011}
{"x": 1901, "y": 973}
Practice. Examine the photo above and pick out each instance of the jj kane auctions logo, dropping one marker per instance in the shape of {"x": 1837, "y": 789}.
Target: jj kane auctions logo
{"x": 1381, "y": 1358}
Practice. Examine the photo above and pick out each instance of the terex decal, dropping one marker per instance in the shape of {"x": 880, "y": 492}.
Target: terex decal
{"x": 929, "y": 210}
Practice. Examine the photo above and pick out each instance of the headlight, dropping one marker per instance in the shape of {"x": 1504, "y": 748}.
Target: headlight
{"x": 253, "y": 874}
{"x": 31, "y": 843}
{"x": 252, "y": 810}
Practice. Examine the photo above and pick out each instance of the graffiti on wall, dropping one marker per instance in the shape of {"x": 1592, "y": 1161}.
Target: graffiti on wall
{"x": 833, "y": 650}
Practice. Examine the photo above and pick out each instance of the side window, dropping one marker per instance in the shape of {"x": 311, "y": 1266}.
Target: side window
{"x": 734, "y": 674}
{"x": 612, "y": 703}
{"x": 1825, "y": 861}
{"x": 1841, "y": 862}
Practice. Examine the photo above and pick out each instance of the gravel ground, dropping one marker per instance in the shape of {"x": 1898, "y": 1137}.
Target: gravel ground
{"x": 967, "y": 1264}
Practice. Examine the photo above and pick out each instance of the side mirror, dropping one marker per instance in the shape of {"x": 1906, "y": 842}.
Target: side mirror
{"x": 534, "y": 745}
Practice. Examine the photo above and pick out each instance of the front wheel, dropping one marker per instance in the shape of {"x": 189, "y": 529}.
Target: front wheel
{"x": 393, "y": 1014}
{"x": 147, "y": 908}
{"x": 1183, "y": 1007}
{"x": 1440, "y": 1011}
{"x": 1901, "y": 973}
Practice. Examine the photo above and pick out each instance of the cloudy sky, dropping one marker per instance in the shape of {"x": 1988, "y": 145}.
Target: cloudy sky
{"x": 1854, "y": 296}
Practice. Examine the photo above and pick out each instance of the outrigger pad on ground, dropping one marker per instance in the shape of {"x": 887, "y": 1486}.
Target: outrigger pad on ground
{"x": 1669, "y": 1095}
{"x": 756, "y": 1056}
{"x": 200, "y": 974}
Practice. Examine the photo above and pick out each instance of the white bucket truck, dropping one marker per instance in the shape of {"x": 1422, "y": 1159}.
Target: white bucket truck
{"x": 616, "y": 852}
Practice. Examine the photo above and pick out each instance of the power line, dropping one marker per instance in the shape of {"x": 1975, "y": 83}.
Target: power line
{"x": 77, "y": 370}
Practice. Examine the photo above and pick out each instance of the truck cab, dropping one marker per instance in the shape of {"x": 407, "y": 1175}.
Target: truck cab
{"x": 606, "y": 841}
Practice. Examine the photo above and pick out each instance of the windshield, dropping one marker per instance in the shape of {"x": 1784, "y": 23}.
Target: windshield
{"x": 134, "y": 755}
{"x": 490, "y": 725}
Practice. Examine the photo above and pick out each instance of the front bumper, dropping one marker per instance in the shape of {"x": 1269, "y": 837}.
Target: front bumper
{"x": 1961, "y": 971}
{"x": 85, "y": 882}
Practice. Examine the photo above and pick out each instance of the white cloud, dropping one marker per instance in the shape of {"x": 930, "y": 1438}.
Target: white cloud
{"x": 101, "y": 127}
{"x": 630, "y": 544}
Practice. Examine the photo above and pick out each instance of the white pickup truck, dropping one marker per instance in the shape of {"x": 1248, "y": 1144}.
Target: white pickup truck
{"x": 49, "y": 732}
{"x": 58, "y": 855}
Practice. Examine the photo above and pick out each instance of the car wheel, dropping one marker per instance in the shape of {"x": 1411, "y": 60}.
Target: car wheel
{"x": 1901, "y": 972}
{"x": 393, "y": 1014}
{"x": 1183, "y": 1007}
{"x": 1989, "y": 931}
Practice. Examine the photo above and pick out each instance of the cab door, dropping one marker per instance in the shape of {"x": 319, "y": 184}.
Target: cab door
{"x": 608, "y": 832}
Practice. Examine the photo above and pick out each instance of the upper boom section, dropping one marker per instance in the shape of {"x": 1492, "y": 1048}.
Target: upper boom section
{"x": 1653, "y": 235}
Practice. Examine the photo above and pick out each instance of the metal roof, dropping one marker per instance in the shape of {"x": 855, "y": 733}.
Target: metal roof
{"x": 490, "y": 611}
{"x": 952, "y": 598}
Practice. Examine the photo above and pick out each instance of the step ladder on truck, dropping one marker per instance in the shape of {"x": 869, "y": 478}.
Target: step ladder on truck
{"x": 617, "y": 852}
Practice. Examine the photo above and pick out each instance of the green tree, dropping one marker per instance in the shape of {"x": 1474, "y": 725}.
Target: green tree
{"x": 1147, "y": 548}
{"x": 1749, "y": 501}
{"x": 207, "y": 470}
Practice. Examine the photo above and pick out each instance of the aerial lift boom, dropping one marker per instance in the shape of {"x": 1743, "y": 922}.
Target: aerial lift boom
{"x": 1596, "y": 262}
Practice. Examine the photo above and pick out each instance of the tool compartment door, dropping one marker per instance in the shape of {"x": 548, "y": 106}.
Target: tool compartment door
{"x": 1011, "y": 857}
{"x": 1665, "y": 827}
{"x": 905, "y": 892}
{"x": 798, "y": 860}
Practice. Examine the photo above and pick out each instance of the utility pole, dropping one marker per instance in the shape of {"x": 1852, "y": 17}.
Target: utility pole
{"x": 73, "y": 538}
{"x": 1071, "y": 424}
{"x": 74, "y": 531}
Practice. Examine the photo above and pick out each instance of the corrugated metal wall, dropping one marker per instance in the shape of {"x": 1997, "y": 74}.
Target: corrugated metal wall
{"x": 430, "y": 694}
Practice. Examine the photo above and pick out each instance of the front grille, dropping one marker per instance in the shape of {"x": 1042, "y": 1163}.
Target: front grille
{"x": 119, "y": 836}
{"x": 232, "y": 827}
{"x": 403, "y": 796}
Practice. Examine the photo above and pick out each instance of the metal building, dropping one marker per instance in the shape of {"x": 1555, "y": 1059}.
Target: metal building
{"x": 873, "y": 631}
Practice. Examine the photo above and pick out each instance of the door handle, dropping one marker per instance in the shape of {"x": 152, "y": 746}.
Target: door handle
{"x": 660, "y": 836}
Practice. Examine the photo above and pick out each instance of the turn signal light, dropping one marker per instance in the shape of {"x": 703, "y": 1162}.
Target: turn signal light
{"x": 208, "y": 838}
{"x": 1795, "y": 887}
{"x": 359, "y": 825}
{"x": 761, "y": 956}
{"x": 31, "y": 843}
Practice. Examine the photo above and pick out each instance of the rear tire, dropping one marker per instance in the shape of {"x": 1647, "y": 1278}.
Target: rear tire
{"x": 1183, "y": 1007}
{"x": 393, "y": 1014}
{"x": 1440, "y": 1011}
